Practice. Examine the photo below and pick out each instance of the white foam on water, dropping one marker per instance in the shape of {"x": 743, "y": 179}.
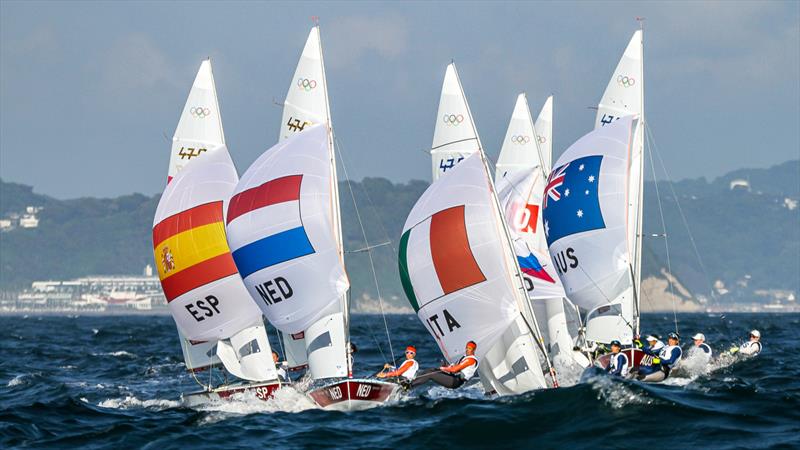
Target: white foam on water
{"x": 17, "y": 380}
{"x": 131, "y": 401}
{"x": 117, "y": 353}
{"x": 285, "y": 399}
{"x": 568, "y": 372}
{"x": 95, "y": 331}
{"x": 617, "y": 394}
{"x": 474, "y": 391}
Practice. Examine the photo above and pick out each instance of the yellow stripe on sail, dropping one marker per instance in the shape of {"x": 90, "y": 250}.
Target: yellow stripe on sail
{"x": 190, "y": 247}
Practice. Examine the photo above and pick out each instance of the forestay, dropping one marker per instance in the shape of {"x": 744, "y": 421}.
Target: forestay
{"x": 200, "y": 126}
{"x": 280, "y": 228}
{"x": 202, "y": 286}
{"x": 585, "y": 223}
{"x": 454, "y": 136}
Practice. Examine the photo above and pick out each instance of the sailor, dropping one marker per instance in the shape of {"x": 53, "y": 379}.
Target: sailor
{"x": 654, "y": 345}
{"x": 618, "y": 364}
{"x": 407, "y": 370}
{"x": 280, "y": 366}
{"x": 454, "y": 375}
{"x": 700, "y": 344}
{"x": 662, "y": 365}
{"x": 751, "y": 347}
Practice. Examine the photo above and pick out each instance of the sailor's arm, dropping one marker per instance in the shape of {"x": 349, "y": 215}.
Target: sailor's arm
{"x": 458, "y": 367}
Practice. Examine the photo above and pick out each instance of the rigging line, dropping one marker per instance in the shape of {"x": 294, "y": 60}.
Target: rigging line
{"x": 666, "y": 237}
{"x": 369, "y": 251}
{"x": 683, "y": 216}
{"x": 280, "y": 342}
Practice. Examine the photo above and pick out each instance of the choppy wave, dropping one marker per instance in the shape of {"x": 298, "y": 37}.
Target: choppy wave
{"x": 87, "y": 384}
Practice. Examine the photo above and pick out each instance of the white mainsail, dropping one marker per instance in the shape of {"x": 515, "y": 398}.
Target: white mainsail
{"x": 544, "y": 132}
{"x": 520, "y": 150}
{"x": 199, "y": 133}
{"x": 454, "y": 137}
{"x": 247, "y": 354}
{"x": 307, "y": 104}
{"x": 624, "y": 96}
{"x": 585, "y": 220}
{"x": 199, "y": 129}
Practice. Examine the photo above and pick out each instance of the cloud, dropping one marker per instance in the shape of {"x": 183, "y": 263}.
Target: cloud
{"x": 385, "y": 36}
{"x": 135, "y": 62}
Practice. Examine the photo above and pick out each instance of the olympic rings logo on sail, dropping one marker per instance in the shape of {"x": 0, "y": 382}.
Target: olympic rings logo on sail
{"x": 453, "y": 119}
{"x": 625, "y": 81}
{"x": 306, "y": 84}
{"x": 199, "y": 112}
{"x": 520, "y": 139}
{"x": 541, "y": 139}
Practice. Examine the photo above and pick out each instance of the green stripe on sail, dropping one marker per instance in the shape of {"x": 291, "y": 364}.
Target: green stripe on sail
{"x": 404, "y": 278}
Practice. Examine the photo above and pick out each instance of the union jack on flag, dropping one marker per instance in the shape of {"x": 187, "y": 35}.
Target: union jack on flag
{"x": 554, "y": 181}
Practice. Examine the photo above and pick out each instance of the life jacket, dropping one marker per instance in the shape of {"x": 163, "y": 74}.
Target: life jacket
{"x": 411, "y": 372}
{"x": 666, "y": 353}
{"x": 469, "y": 371}
{"x": 705, "y": 348}
{"x": 619, "y": 360}
{"x": 751, "y": 348}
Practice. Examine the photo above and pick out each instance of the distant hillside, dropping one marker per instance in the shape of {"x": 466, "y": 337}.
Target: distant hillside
{"x": 748, "y": 239}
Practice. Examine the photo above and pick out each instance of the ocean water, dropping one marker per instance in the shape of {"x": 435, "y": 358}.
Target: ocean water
{"x": 115, "y": 382}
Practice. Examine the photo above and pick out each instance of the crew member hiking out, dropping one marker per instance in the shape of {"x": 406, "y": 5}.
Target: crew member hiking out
{"x": 666, "y": 360}
{"x": 618, "y": 364}
{"x": 407, "y": 370}
{"x": 454, "y": 375}
{"x": 751, "y": 347}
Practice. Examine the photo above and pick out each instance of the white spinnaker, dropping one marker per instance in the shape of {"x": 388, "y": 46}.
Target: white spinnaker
{"x": 482, "y": 310}
{"x": 247, "y": 355}
{"x": 544, "y": 133}
{"x": 624, "y": 96}
{"x": 199, "y": 129}
{"x": 285, "y": 245}
{"x": 520, "y": 151}
{"x": 586, "y": 225}
{"x": 207, "y": 181}
{"x": 306, "y": 101}
{"x": 455, "y": 136}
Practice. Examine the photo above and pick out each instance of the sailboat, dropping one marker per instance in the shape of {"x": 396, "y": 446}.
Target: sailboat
{"x": 593, "y": 210}
{"x": 284, "y": 226}
{"x": 457, "y": 265}
{"x": 217, "y": 321}
{"x": 521, "y": 174}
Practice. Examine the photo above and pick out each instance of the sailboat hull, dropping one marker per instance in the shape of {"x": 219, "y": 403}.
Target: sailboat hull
{"x": 262, "y": 391}
{"x": 353, "y": 394}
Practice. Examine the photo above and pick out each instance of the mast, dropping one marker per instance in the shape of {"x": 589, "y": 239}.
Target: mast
{"x": 526, "y": 306}
{"x": 336, "y": 206}
{"x": 637, "y": 275}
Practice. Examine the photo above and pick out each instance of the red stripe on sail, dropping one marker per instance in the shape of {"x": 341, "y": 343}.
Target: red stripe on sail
{"x": 186, "y": 220}
{"x": 275, "y": 191}
{"x": 198, "y": 275}
{"x": 452, "y": 256}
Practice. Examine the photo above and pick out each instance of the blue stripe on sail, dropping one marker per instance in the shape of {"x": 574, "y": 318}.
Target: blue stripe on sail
{"x": 272, "y": 250}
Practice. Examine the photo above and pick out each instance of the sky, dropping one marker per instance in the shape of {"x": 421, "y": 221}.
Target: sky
{"x": 91, "y": 92}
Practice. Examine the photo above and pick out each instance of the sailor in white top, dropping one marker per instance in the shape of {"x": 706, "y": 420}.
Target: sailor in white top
{"x": 279, "y": 367}
{"x": 751, "y": 347}
{"x": 454, "y": 375}
{"x": 700, "y": 344}
{"x": 407, "y": 370}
